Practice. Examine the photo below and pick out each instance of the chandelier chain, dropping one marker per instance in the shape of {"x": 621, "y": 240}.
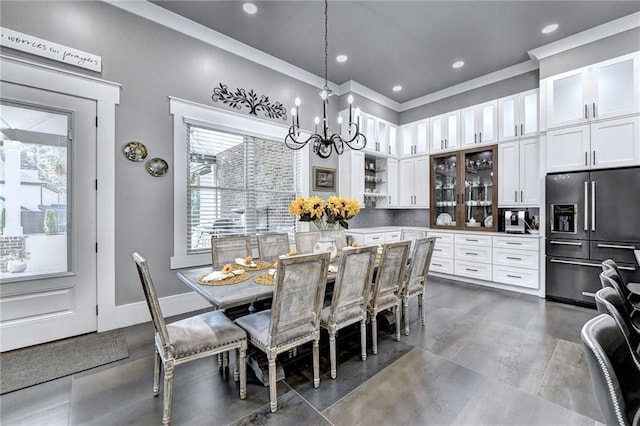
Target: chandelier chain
{"x": 326, "y": 40}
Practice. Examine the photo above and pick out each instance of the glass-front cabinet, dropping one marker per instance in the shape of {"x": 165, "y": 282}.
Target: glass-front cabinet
{"x": 465, "y": 189}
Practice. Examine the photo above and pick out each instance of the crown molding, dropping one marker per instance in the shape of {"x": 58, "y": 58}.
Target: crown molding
{"x": 605, "y": 30}
{"x": 359, "y": 89}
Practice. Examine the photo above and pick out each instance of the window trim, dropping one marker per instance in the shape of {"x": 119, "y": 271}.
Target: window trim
{"x": 197, "y": 114}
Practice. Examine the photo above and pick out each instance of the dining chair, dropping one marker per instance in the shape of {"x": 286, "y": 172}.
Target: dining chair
{"x": 305, "y": 241}
{"x": 413, "y": 235}
{"x": 608, "y": 301}
{"x": 340, "y": 236}
{"x": 416, "y": 277}
{"x": 350, "y": 295}
{"x": 632, "y": 290}
{"x": 189, "y": 339}
{"x": 608, "y": 278}
{"x": 227, "y": 249}
{"x": 614, "y": 374}
{"x": 271, "y": 246}
{"x": 387, "y": 288}
{"x": 294, "y": 317}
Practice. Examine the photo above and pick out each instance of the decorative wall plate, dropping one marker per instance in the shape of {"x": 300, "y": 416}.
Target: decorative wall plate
{"x": 135, "y": 151}
{"x": 157, "y": 167}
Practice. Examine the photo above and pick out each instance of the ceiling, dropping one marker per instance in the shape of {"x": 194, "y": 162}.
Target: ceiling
{"x": 407, "y": 43}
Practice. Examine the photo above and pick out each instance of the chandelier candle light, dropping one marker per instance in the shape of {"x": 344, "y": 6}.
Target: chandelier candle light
{"x": 325, "y": 142}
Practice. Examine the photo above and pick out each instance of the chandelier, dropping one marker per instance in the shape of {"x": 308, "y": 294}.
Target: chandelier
{"x": 325, "y": 142}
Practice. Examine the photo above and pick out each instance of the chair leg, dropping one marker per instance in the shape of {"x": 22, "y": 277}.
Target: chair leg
{"x": 242, "y": 366}
{"x": 398, "y": 320}
{"x": 168, "y": 391}
{"x": 316, "y": 362}
{"x": 332, "y": 351}
{"x": 405, "y": 311}
{"x": 363, "y": 339}
{"x": 273, "y": 394}
{"x": 236, "y": 373}
{"x": 421, "y": 307}
{"x": 156, "y": 374}
{"x": 374, "y": 333}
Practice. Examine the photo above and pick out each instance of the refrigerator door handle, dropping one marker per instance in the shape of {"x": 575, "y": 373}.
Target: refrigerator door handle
{"x": 616, "y": 246}
{"x": 593, "y": 205}
{"x": 588, "y": 294}
{"x": 586, "y": 203}
{"x": 627, "y": 268}
{"x": 565, "y": 243}
{"x": 569, "y": 262}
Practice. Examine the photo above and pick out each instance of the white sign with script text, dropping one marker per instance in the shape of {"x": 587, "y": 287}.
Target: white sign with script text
{"x": 47, "y": 49}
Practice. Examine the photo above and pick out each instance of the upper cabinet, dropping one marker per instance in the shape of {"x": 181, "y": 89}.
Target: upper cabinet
{"x": 445, "y": 131}
{"x": 604, "y": 90}
{"x": 518, "y": 115}
{"x": 415, "y": 138}
{"x": 519, "y": 173}
{"x": 479, "y": 124}
{"x": 414, "y": 181}
{"x": 382, "y": 136}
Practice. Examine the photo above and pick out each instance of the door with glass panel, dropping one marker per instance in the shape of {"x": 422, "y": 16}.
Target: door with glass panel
{"x": 47, "y": 216}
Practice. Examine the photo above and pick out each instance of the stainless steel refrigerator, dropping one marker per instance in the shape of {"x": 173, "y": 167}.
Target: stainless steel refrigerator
{"x": 591, "y": 216}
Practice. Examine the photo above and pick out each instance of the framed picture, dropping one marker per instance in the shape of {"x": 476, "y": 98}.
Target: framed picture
{"x": 324, "y": 179}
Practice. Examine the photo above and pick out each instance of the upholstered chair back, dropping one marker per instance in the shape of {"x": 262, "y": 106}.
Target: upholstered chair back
{"x": 299, "y": 293}
{"x": 271, "y": 246}
{"x": 611, "y": 264}
{"x": 614, "y": 375}
{"x": 390, "y": 274}
{"x": 227, "y": 249}
{"x": 608, "y": 301}
{"x": 420, "y": 262}
{"x": 352, "y": 284}
{"x": 152, "y": 299}
{"x": 413, "y": 235}
{"x": 305, "y": 241}
{"x": 609, "y": 278}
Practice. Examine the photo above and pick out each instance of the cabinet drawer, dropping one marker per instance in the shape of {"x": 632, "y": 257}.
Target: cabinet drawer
{"x": 517, "y": 243}
{"x": 441, "y": 237}
{"x": 516, "y": 258}
{"x": 473, "y": 240}
{"x": 481, "y": 271}
{"x": 390, "y": 237}
{"x": 373, "y": 239}
{"x": 442, "y": 265}
{"x": 473, "y": 253}
{"x": 515, "y": 276}
{"x": 443, "y": 250}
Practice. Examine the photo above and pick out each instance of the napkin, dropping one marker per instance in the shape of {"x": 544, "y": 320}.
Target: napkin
{"x": 240, "y": 261}
{"x": 333, "y": 268}
{"x": 272, "y": 271}
{"x": 216, "y": 276}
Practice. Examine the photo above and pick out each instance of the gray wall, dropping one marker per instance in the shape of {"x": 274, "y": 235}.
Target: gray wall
{"x": 151, "y": 62}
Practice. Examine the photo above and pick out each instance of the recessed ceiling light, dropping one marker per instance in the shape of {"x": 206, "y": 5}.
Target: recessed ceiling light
{"x": 250, "y": 8}
{"x": 458, "y": 64}
{"x": 397, "y": 88}
{"x": 549, "y": 28}
{"x": 341, "y": 58}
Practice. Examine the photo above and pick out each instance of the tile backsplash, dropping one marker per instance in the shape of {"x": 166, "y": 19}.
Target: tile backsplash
{"x": 368, "y": 218}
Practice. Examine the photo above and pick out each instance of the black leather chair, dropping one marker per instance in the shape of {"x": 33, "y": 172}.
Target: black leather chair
{"x": 609, "y": 278}
{"x": 610, "y": 302}
{"x": 614, "y": 374}
{"x": 631, "y": 290}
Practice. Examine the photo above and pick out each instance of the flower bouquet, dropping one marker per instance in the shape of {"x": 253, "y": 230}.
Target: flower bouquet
{"x": 325, "y": 215}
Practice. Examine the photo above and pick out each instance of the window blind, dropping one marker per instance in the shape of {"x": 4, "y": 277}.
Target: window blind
{"x": 237, "y": 185}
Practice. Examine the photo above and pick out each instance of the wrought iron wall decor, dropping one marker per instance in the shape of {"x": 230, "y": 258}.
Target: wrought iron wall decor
{"x": 249, "y": 99}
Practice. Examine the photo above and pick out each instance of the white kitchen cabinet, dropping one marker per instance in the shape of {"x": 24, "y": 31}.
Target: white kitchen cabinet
{"x": 604, "y": 90}
{"x": 382, "y": 136}
{"x": 604, "y": 144}
{"x": 479, "y": 124}
{"x": 392, "y": 182}
{"x": 442, "y": 258}
{"x": 392, "y": 145}
{"x": 519, "y": 173}
{"x": 518, "y": 115}
{"x": 516, "y": 261}
{"x": 413, "y": 188}
{"x": 378, "y": 182}
{"x": 445, "y": 132}
{"x": 351, "y": 177}
{"x": 415, "y": 138}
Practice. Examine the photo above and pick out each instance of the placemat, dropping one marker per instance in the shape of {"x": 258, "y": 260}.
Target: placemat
{"x": 227, "y": 281}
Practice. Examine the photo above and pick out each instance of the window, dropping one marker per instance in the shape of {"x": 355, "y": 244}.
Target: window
{"x": 232, "y": 175}
{"x": 236, "y": 185}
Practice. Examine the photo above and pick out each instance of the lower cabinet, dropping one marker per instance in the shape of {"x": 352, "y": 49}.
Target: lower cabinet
{"x": 516, "y": 261}
{"x": 442, "y": 258}
{"x": 472, "y": 256}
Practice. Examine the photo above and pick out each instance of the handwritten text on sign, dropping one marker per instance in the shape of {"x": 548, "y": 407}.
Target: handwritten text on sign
{"x": 48, "y": 49}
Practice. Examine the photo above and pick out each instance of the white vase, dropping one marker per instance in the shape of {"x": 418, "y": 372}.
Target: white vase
{"x": 16, "y": 265}
{"x": 326, "y": 243}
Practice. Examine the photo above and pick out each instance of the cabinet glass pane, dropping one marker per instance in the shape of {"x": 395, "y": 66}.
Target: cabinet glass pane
{"x": 509, "y": 117}
{"x": 567, "y": 99}
{"x": 445, "y": 190}
{"x": 615, "y": 87}
{"x": 478, "y": 195}
{"x": 421, "y": 141}
{"x": 370, "y": 133}
{"x": 452, "y": 131}
{"x": 393, "y": 132}
{"x": 531, "y": 113}
{"x": 382, "y": 134}
{"x": 436, "y": 133}
{"x": 469, "y": 118}
{"x": 487, "y": 123}
{"x": 407, "y": 139}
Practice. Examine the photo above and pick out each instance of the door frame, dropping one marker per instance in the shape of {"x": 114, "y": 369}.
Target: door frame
{"x": 106, "y": 95}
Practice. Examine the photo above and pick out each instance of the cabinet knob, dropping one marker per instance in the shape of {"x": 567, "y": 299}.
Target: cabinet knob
{"x": 594, "y": 110}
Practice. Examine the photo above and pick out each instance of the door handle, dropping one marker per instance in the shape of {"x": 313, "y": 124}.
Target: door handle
{"x": 586, "y": 113}
{"x": 569, "y": 262}
{"x": 565, "y": 243}
{"x": 593, "y": 160}
{"x": 593, "y": 206}
{"x": 515, "y": 198}
{"x": 514, "y": 258}
{"x": 480, "y": 139}
{"x": 616, "y": 246}
{"x": 515, "y": 131}
{"x": 627, "y": 268}
{"x": 594, "y": 110}
{"x": 514, "y": 276}
{"x": 521, "y": 129}
{"x": 588, "y": 294}
{"x": 586, "y": 201}
{"x": 475, "y": 138}
{"x": 585, "y": 158}
{"x": 521, "y": 196}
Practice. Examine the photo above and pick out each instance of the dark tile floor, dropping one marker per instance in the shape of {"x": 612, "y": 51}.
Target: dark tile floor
{"x": 485, "y": 357}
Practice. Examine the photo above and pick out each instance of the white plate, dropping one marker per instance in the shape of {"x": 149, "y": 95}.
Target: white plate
{"x": 443, "y": 219}
{"x": 488, "y": 221}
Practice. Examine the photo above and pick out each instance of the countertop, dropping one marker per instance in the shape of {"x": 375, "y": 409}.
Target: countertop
{"x": 380, "y": 229}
